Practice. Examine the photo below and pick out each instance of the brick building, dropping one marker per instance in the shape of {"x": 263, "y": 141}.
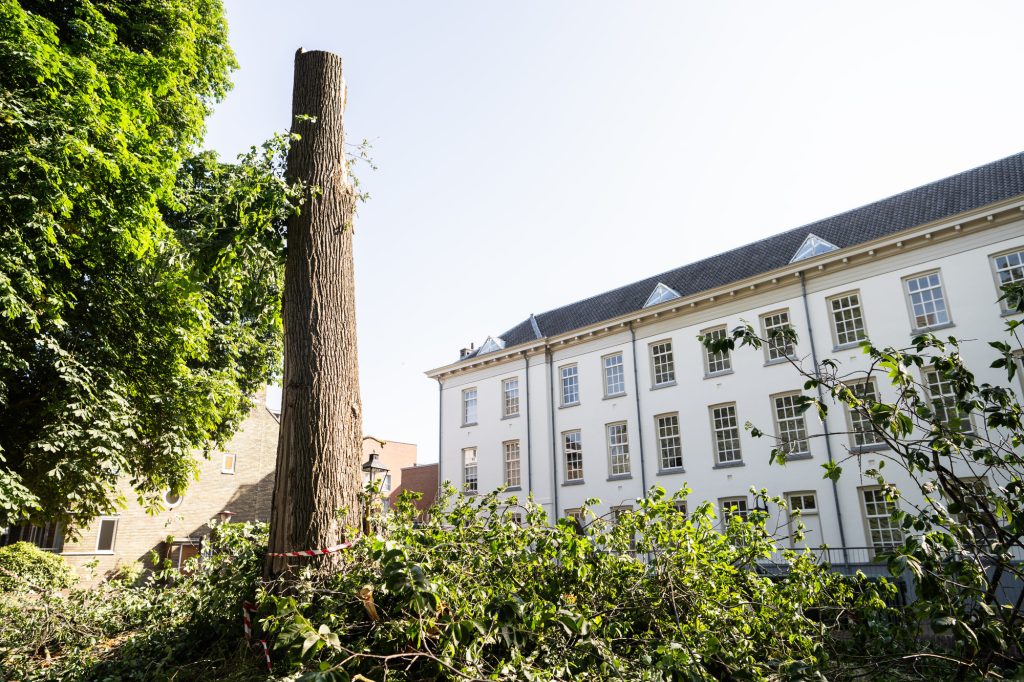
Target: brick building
{"x": 235, "y": 484}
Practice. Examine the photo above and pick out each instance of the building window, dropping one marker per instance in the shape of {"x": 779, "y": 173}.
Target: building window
{"x": 510, "y": 397}
{"x": 670, "y": 450}
{"x": 47, "y": 536}
{"x": 732, "y": 506}
{"x": 805, "y": 503}
{"x": 862, "y": 432}
{"x": 512, "y": 478}
{"x": 572, "y": 450}
{"x": 469, "y": 471}
{"x": 1009, "y": 269}
{"x": 227, "y": 463}
{"x": 847, "y": 319}
{"x": 614, "y": 376}
{"x": 716, "y": 363}
{"x": 618, "y": 449}
{"x": 927, "y": 302}
{"x": 172, "y": 499}
{"x": 790, "y": 426}
{"x": 570, "y": 385}
{"x": 883, "y": 532}
{"x": 726, "y": 432}
{"x": 469, "y": 407}
{"x": 977, "y": 510}
{"x": 107, "y": 534}
{"x": 943, "y": 398}
{"x": 576, "y": 515}
{"x": 680, "y": 507}
{"x": 385, "y": 486}
{"x": 663, "y": 365}
{"x": 776, "y": 348}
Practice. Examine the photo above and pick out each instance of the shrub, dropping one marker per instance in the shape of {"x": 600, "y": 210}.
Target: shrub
{"x": 24, "y": 566}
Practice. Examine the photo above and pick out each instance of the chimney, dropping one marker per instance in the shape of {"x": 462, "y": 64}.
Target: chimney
{"x": 465, "y": 353}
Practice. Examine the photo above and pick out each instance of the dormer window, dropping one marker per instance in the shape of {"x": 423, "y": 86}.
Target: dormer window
{"x": 812, "y": 246}
{"x": 661, "y": 293}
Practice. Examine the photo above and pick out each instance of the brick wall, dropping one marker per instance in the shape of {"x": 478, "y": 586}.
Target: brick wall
{"x": 247, "y": 492}
{"x": 421, "y": 479}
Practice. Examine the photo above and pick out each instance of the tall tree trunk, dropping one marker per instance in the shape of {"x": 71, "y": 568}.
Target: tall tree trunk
{"x": 316, "y": 490}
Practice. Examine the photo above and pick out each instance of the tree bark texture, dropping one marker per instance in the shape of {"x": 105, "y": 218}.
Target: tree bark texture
{"x": 319, "y": 452}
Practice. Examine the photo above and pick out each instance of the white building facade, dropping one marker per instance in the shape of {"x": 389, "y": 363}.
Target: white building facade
{"x": 610, "y": 396}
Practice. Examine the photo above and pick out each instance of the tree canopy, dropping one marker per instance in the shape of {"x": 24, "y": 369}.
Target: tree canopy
{"x": 139, "y": 281}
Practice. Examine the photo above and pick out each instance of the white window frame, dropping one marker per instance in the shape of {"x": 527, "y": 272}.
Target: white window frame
{"x": 512, "y": 458}
{"x": 467, "y": 466}
{"x": 224, "y": 468}
{"x": 780, "y": 349}
{"x": 1018, "y": 251}
{"x": 885, "y": 524}
{"x": 725, "y": 504}
{"x": 610, "y": 371}
{"x": 113, "y": 535}
{"x": 716, "y": 364}
{"x": 966, "y": 421}
{"x": 569, "y": 384}
{"x": 510, "y": 397}
{"x": 670, "y": 442}
{"x": 727, "y": 432}
{"x": 908, "y": 296}
{"x": 849, "y": 326}
{"x": 572, "y": 443}
{"x": 663, "y": 372}
{"x": 619, "y": 464}
{"x": 859, "y": 424}
{"x": 470, "y": 396}
{"x": 797, "y": 419}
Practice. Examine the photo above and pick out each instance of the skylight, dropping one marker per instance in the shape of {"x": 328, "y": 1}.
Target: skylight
{"x": 661, "y": 294}
{"x": 813, "y": 246}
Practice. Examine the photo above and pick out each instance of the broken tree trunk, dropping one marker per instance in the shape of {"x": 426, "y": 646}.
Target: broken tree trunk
{"x": 318, "y": 480}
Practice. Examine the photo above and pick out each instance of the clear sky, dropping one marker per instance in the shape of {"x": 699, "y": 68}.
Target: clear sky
{"x": 532, "y": 153}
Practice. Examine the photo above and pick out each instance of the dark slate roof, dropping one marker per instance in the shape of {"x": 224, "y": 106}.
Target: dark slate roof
{"x": 951, "y": 196}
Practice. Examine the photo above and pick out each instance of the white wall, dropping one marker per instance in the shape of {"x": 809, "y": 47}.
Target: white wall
{"x": 970, "y": 294}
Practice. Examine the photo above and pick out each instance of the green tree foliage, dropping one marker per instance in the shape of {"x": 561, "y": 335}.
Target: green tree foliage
{"x": 471, "y": 594}
{"x": 25, "y": 567}
{"x": 139, "y": 282}
{"x": 957, "y": 490}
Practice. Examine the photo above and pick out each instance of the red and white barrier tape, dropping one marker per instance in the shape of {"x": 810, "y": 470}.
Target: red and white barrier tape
{"x": 314, "y": 552}
{"x": 247, "y": 608}
{"x": 266, "y": 655}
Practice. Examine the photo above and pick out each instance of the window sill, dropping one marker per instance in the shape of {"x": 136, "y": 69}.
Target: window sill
{"x": 466, "y": 426}
{"x": 613, "y": 396}
{"x": 728, "y": 465}
{"x": 1009, "y": 313}
{"x": 98, "y": 552}
{"x": 568, "y": 405}
{"x": 780, "y": 361}
{"x": 620, "y": 477}
{"x": 861, "y": 449}
{"x": 513, "y": 488}
{"x": 667, "y": 384}
{"x": 917, "y": 331}
{"x": 669, "y": 472}
{"x": 470, "y": 494}
{"x": 713, "y": 375}
{"x": 797, "y": 458}
{"x": 575, "y": 482}
{"x": 847, "y": 346}
{"x": 228, "y": 473}
{"x": 510, "y": 416}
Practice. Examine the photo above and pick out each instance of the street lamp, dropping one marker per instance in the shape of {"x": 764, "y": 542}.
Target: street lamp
{"x": 371, "y": 467}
